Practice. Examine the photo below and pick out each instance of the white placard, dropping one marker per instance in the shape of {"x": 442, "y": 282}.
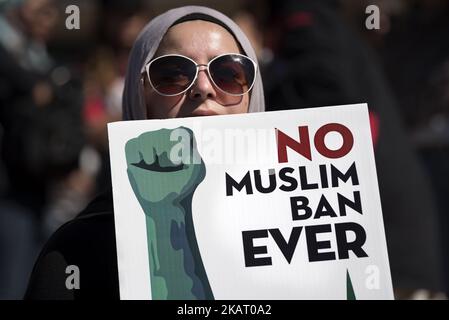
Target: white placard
{"x": 283, "y": 205}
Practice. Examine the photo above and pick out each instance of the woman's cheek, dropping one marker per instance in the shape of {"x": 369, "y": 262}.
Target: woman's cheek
{"x": 161, "y": 107}
{"x": 241, "y": 107}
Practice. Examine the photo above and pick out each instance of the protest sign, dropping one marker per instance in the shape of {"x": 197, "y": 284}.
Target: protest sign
{"x": 274, "y": 205}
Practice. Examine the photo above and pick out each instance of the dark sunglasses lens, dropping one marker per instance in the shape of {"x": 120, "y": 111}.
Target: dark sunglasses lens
{"x": 172, "y": 75}
{"x": 233, "y": 74}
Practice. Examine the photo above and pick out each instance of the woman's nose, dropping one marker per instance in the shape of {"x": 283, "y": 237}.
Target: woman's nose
{"x": 203, "y": 88}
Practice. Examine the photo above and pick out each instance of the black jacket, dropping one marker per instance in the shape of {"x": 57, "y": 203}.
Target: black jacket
{"x": 87, "y": 242}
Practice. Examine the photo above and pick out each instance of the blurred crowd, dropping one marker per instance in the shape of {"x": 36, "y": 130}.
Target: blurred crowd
{"x": 59, "y": 88}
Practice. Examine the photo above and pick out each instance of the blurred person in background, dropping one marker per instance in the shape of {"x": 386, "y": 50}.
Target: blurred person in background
{"x": 416, "y": 56}
{"x": 42, "y": 138}
{"x": 320, "y": 61}
{"x": 104, "y": 79}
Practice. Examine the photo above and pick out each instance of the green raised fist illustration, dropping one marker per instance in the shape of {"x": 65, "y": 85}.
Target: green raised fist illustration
{"x": 164, "y": 169}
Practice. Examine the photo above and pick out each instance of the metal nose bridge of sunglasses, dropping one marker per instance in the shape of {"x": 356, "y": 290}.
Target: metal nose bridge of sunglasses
{"x": 206, "y": 70}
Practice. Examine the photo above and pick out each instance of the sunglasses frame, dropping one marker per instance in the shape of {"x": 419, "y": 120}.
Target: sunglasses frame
{"x": 147, "y": 70}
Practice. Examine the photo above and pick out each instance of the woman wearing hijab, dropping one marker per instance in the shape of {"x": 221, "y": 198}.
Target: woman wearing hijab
{"x": 197, "y": 43}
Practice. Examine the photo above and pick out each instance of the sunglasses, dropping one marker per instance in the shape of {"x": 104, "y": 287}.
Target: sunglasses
{"x": 174, "y": 74}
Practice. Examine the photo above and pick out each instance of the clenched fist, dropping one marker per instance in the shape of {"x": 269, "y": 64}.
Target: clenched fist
{"x": 164, "y": 172}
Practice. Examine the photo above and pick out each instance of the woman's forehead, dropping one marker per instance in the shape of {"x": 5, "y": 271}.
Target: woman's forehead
{"x": 198, "y": 39}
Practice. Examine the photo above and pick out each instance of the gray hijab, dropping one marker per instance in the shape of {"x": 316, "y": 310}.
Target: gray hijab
{"x": 148, "y": 42}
